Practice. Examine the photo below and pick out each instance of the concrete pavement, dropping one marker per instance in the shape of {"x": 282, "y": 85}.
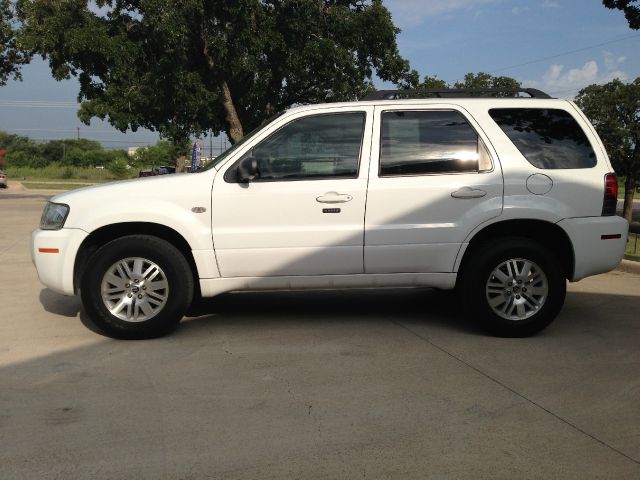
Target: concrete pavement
{"x": 371, "y": 384}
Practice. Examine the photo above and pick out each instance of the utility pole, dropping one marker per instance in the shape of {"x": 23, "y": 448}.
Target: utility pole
{"x": 210, "y": 146}
{"x": 78, "y": 132}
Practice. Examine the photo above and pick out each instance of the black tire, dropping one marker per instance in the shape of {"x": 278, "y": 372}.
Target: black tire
{"x": 175, "y": 270}
{"x": 477, "y": 271}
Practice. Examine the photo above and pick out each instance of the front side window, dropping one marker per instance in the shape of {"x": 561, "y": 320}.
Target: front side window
{"x": 547, "y": 138}
{"x": 314, "y": 147}
{"x": 430, "y": 142}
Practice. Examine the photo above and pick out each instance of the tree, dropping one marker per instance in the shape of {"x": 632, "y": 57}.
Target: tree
{"x": 480, "y": 80}
{"x": 629, "y": 7}
{"x": 486, "y": 80}
{"x": 614, "y": 110}
{"x": 184, "y": 68}
{"x": 162, "y": 153}
{"x": 12, "y": 57}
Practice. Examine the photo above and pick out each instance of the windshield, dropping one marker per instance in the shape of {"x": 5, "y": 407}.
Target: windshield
{"x": 224, "y": 155}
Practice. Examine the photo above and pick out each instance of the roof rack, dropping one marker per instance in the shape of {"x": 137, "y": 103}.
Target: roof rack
{"x": 453, "y": 93}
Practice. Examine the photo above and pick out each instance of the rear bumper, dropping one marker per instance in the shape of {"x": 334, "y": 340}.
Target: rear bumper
{"x": 598, "y": 243}
{"x": 54, "y": 253}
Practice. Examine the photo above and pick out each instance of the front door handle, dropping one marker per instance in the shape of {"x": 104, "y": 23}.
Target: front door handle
{"x": 468, "y": 192}
{"x": 334, "y": 197}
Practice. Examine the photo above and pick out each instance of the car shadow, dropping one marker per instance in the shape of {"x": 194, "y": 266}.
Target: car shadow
{"x": 424, "y": 305}
{"x": 430, "y": 306}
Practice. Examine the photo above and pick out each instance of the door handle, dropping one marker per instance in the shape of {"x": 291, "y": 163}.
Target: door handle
{"x": 468, "y": 192}
{"x": 334, "y": 197}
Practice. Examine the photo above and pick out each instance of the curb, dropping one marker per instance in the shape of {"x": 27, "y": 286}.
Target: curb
{"x": 629, "y": 266}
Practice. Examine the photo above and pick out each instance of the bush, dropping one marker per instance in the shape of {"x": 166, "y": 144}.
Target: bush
{"x": 118, "y": 168}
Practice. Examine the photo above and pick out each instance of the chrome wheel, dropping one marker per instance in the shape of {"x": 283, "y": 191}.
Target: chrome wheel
{"x": 517, "y": 289}
{"x": 134, "y": 289}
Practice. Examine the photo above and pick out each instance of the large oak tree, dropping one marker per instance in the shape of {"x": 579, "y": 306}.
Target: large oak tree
{"x": 631, "y": 9}
{"x": 191, "y": 66}
{"x": 12, "y": 57}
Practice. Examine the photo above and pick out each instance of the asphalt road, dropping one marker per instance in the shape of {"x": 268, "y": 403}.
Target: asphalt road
{"x": 372, "y": 384}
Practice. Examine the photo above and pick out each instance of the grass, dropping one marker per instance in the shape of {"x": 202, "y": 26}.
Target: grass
{"x": 65, "y": 173}
{"x": 621, "y": 190}
{"x": 53, "y": 185}
{"x": 632, "y": 251}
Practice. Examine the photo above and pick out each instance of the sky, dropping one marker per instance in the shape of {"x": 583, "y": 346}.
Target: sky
{"x": 558, "y": 46}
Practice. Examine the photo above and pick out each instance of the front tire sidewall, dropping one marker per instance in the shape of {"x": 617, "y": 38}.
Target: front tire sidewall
{"x": 478, "y": 271}
{"x": 167, "y": 257}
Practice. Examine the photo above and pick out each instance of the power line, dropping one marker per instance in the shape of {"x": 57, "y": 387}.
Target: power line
{"x": 37, "y": 104}
{"x": 570, "y": 52}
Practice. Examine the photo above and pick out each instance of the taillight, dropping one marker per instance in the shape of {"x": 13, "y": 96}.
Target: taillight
{"x": 610, "y": 201}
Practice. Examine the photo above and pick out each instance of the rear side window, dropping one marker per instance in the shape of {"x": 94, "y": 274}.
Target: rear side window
{"x": 430, "y": 142}
{"x": 547, "y": 138}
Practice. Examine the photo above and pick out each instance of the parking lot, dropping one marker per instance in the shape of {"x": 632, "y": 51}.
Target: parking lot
{"x": 368, "y": 384}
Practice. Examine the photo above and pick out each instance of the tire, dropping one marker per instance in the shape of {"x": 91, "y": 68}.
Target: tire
{"x": 137, "y": 287}
{"x": 505, "y": 308}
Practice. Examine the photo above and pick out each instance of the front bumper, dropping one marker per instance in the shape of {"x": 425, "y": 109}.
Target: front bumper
{"x": 598, "y": 243}
{"x": 54, "y": 253}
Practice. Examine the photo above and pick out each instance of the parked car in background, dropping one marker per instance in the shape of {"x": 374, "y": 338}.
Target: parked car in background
{"x": 152, "y": 172}
{"x": 503, "y": 199}
{"x": 3, "y": 179}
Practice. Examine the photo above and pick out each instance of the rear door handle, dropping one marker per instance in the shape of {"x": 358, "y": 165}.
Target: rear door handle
{"x": 334, "y": 197}
{"x": 468, "y": 192}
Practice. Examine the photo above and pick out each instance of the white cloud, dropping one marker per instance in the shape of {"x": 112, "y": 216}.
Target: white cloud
{"x": 411, "y": 13}
{"x": 519, "y": 10}
{"x": 550, "y": 4}
{"x": 611, "y": 62}
{"x": 562, "y": 82}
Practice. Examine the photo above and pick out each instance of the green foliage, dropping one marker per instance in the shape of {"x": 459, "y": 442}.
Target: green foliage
{"x": 61, "y": 172}
{"x": 118, "y": 168}
{"x": 184, "y": 68}
{"x": 629, "y": 7}
{"x": 486, "y": 80}
{"x": 24, "y": 152}
{"x": 67, "y": 173}
{"x": 480, "y": 80}
{"x": 12, "y": 56}
{"x": 162, "y": 153}
{"x": 614, "y": 110}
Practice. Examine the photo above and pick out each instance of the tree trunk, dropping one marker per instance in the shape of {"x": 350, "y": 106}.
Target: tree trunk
{"x": 629, "y": 189}
{"x": 233, "y": 121}
{"x": 180, "y": 161}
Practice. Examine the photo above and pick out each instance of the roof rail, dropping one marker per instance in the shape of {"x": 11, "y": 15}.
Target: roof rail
{"x": 453, "y": 93}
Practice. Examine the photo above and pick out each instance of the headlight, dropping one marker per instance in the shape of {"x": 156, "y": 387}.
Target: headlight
{"x": 54, "y": 216}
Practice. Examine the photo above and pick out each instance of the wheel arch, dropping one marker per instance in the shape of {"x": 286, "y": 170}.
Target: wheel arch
{"x": 547, "y": 234}
{"x": 107, "y": 233}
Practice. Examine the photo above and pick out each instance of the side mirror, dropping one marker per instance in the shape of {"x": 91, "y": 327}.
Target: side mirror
{"x": 247, "y": 170}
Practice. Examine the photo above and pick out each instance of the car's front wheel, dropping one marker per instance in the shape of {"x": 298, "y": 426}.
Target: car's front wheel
{"x": 514, "y": 286}
{"x": 137, "y": 287}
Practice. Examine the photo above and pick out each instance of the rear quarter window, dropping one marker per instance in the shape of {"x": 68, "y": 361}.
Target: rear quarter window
{"x": 547, "y": 138}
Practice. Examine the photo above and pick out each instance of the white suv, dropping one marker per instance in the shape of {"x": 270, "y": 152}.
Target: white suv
{"x": 503, "y": 199}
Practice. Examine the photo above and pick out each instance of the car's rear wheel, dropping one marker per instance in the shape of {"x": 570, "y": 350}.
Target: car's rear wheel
{"x": 514, "y": 286}
{"x": 137, "y": 287}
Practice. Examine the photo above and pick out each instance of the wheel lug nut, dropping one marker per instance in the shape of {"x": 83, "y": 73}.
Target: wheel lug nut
{"x": 136, "y": 280}
{"x": 519, "y": 282}
{"x": 518, "y": 297}
{"x": 144, "y": 288}
{"x": 139, "y": 296}
{"x": 127, "y": 285}
{"x": 129, "y": 295}
{"x": 524, "y": 289}
{"x": 508, "y": 292}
